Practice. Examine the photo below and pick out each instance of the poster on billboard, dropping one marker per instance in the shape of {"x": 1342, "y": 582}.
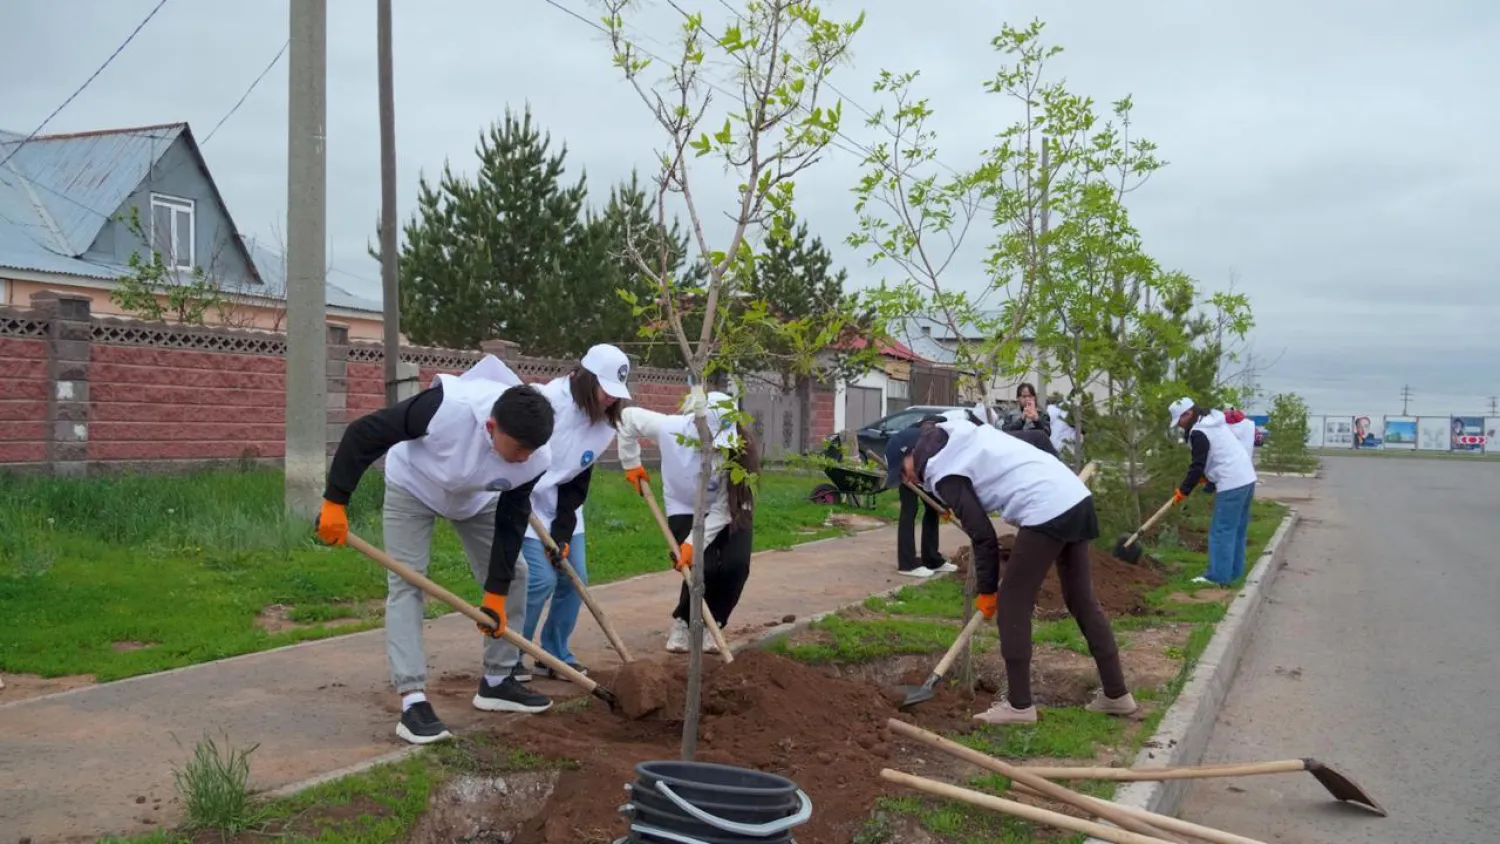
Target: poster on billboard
{"x": 1466, "y": 433}
{"x": 1492, "y": 434}
{"x": 1338, "y": 432}
{"x": 1434, "y": 433}
{"x": 1369, "y": 431}
{"x": 1400, "y": 432}
{"x": 1314, "y": 432}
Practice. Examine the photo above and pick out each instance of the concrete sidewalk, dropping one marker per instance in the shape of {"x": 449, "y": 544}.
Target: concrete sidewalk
{"x": 97, "y": 760}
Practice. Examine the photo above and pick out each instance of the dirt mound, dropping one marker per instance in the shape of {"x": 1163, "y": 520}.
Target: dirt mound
{"x": 763, "y": 711}
{"x": 1120, "y": 586}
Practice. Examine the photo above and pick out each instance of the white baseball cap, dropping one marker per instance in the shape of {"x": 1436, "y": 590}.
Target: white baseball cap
{"x": 611, "y": 367}
{"x": 1179, "y": 407}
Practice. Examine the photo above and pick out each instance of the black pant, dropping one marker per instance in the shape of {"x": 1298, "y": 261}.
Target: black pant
{"x": 1033, "y": 554}
{"x": 906, "y": 529}
{"x": 726, "y": 567}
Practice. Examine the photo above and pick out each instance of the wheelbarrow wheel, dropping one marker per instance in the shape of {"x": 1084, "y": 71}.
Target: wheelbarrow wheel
{"x": 824, "y": 494}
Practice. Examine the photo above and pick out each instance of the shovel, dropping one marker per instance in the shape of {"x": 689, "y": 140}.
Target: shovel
{"x": 1125, "y": 547}
{"x": 924, "y": 692}
{"x": 666, "y": 532}
{"x": 583, "y": 592}
{"x": 420, "y": 581}
{"x": 1339, "y": 785}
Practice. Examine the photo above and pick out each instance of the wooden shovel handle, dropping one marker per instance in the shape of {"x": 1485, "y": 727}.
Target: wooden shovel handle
{"x": 475, "y": 614}
{"x": 1155, "y": 517}
{"x": 1191, "y": 772}
{"x": 1024, "y": 779}
{"x": 672, "y": 548}
{"x": 582, "y": 589}
{"x": 975, "y": 622}
{"x": 1034, "y": 814}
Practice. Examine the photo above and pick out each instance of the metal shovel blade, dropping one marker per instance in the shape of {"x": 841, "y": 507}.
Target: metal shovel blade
{"x": 1126, "y": 550}
{"x": 919, "y": 694}
{"x": 1341, "y": 787}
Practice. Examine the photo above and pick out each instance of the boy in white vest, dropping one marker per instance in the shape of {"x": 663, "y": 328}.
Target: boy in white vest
{"x": 1219, "y": 461}
{"x": 468, "y": 449}
{"x": 587, "y": 403}
{"x": 729, "y": 524}
{"x": 977, "y": 469}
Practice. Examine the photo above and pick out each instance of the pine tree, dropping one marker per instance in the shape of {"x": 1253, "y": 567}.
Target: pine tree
{"x": 495, "y": 256}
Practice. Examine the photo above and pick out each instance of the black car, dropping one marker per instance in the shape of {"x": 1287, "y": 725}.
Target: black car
{"x": 872, "y": 438}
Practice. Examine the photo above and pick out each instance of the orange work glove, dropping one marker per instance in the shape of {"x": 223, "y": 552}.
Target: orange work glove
{"x": 986, "y": 604}
{"x": 1202, "y": 479}
{"x": 493, "y": 606}
{"x": 946, "y": 517}
{"x": 684, "y": 557}
{"x": 332, "y": 524}
{"x": 556, "y": 558}
{"x": 1178, "y": 497}
{"x": 637, "y": 478}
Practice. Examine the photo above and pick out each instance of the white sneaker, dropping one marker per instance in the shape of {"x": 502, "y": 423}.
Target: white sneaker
{"x": 919, "y": 571}
{"x": 677, "y": 640}
{"x": 709, "y": 645}
{"x": 946, "y": 568}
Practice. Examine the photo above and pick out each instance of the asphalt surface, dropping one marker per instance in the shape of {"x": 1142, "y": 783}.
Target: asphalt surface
{"x": 1378, "y": 654}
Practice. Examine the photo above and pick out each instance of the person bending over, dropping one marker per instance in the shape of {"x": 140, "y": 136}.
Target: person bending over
{"x": 1220, "y": 462}
{"x": 468, "y": 449}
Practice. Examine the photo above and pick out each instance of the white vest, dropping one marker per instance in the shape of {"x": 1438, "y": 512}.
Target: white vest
{"x": 1244, "y": 430}
{"x": 576, "y": 444}
{"x": 454, "y": 469}
{"x": 680, "y": 463}
{"x": 1229, "y": 465}
{"x": 1026, "y": 485}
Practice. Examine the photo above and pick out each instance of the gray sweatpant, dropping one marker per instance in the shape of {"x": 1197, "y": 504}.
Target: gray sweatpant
{"x": 408, "y": 538}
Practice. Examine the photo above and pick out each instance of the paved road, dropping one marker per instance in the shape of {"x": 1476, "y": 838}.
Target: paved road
{"x": 1379, "y": 653}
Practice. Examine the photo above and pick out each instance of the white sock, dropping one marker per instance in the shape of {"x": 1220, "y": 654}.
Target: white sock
{"x": 494, "y": 679}
{"x": 411, "y": 699}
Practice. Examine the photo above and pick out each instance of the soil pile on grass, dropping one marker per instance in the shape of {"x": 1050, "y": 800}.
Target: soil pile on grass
{"x": 1120, "y": 586}
{"x": 762, "y": 711}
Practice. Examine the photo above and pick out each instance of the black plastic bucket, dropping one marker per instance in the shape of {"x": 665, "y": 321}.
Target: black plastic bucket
{"x": 674, "y": 802}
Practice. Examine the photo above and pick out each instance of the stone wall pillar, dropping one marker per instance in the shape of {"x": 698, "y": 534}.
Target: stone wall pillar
{"x": 502, "y": 349}
{"x": 70, "y": 341}
{"x": 338, "y": 384}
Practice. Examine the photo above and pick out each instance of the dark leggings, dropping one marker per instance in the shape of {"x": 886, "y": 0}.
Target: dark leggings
{"x": 1032, "y": 555}
{"x": 906, "y": 533}
{"x": 726, "y": 567}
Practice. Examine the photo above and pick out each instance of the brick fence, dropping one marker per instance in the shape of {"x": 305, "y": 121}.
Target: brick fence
{"x": 82, "y": 394}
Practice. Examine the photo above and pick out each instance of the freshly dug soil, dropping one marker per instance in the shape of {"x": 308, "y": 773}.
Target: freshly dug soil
{"x": 763, "y": 711}
{"x": 1120, "y": 586}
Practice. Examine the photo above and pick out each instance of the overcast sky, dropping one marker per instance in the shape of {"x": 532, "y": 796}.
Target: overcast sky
{"x": 1337, "y": 158}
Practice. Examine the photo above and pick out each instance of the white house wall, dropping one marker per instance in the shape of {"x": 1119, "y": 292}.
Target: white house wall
{"x": 876, "y": 379}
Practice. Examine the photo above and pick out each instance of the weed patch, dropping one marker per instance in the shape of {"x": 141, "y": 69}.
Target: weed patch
{"x": 846, "y": 641}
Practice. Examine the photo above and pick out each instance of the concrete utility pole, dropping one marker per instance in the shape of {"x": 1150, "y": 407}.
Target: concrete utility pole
{"x": 1405, "y": 399}
{"x": 306, "y": 218}
{"x": 1495, "y": 405}
{"x": 389, "y": 281}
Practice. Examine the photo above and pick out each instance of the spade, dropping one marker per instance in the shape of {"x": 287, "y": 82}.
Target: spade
{"x": 917, "y": 694}
{"x": 1126, "y": 548}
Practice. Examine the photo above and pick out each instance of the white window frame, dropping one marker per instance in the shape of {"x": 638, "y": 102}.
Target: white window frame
{"x": 176, "y": 205}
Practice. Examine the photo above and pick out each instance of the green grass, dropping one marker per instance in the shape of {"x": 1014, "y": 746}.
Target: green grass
{"x": 846, "y": 641}
{"x": 933, "y": 599}
{"x": 88, "y": 567}
{"x": 1069, "y": 732}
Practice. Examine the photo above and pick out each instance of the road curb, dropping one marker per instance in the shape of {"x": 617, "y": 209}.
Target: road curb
{"x": 1183, "y": 735}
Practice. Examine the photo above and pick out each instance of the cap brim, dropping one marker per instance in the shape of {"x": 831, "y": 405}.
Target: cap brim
{"x": 614, "y": 389}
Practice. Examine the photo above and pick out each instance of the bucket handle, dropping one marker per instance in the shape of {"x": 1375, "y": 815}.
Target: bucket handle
{"x": 665, "y": 835}
{"x": 750, "y": 829}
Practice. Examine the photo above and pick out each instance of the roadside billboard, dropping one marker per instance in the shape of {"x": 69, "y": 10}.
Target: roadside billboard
{"x": 1369, "y": 431}
{"x": 1400, "y": 432}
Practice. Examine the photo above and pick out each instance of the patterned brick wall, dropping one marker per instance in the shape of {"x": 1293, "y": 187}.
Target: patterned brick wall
{"x": 23, "y": 388}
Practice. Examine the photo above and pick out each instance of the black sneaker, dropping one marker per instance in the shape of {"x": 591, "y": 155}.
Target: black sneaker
{"x": 509, "y": 696}
{"x": 521, "y": 672}
{"x": 548, "y": 673}
{"x": 420, "y": 725}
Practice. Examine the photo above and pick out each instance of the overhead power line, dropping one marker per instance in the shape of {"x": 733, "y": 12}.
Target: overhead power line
{"x": 86, "y": 83}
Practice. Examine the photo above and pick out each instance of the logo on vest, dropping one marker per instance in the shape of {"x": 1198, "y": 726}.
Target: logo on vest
{"x": 588, "y": 457}
{"x": 499, "y": 485}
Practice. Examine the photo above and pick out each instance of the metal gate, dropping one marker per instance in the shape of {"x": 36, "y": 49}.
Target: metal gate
{"x": 862, "y": 406}
{"x": 778, "y": 423}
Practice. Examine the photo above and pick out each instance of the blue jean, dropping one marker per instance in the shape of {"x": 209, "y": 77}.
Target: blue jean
{"x": 546, "y": 583}
{"x": 1227, "y": 534}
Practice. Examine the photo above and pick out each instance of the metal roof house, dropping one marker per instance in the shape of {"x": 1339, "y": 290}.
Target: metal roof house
{"x": 65, "y": 206}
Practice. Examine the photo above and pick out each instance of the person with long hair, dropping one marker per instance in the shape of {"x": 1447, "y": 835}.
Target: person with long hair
{"x": 587, "y": 403}
{"x": 1028, "y": 416}
{"x": 1221, "y": 464}
{"x": 729, "y": 524}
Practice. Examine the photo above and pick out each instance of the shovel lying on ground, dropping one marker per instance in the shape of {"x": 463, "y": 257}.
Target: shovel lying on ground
{"x": 566, "y": 568}
{"x": 1339, "y": 785}
{"x": 476, "y": 615}
{"x": 666, "y": 532}
{"x": 1125, "y": 547}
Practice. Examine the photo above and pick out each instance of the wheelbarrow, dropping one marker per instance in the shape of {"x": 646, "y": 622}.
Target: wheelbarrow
{"x": 849, "y": 485}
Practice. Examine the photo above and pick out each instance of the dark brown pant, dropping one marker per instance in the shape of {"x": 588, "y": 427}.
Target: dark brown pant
{"x": 1030, "y": 559}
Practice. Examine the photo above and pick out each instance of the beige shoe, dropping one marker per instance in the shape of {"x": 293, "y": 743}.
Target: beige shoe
{"x": 1124, "y": 705}
{"x": 1003, "y": 713}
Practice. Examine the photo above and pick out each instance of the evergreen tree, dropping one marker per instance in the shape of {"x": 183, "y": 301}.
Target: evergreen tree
{"x": 495, "y": 256}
